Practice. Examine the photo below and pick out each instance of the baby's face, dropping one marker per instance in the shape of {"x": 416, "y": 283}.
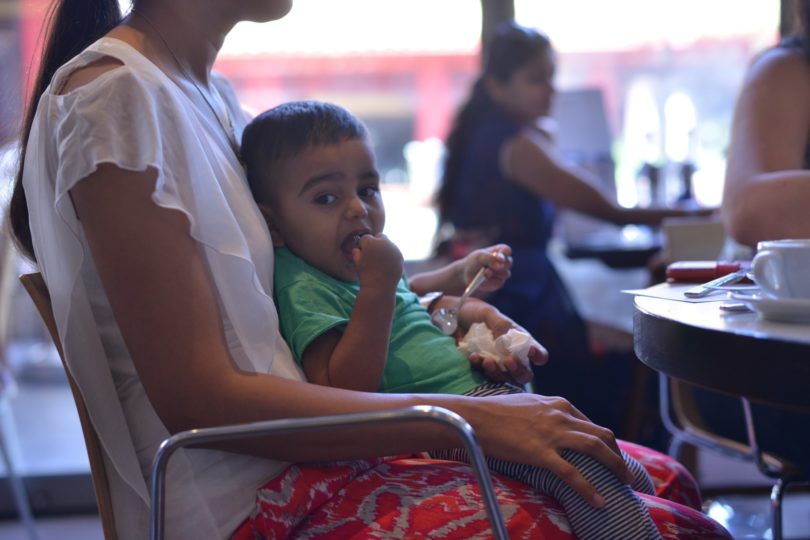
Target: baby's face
{"x": 323, "y": 199}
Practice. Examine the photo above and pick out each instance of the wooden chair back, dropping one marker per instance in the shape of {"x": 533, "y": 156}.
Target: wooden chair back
{"x": 38, "y": 291}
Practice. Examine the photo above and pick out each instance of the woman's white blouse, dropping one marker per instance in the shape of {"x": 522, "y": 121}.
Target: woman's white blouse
{"x": 135, "y": 117}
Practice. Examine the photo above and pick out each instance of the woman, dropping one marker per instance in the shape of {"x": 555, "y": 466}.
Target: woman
{"x": 133, "y": 201}
{"x": 766, "y": 196}
{"x": 503, "y": 182}
{"x": 768, "y": 172}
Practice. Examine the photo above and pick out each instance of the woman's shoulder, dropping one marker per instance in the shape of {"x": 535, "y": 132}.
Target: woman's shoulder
{"x": 107, "y": 65}
{"x": 780, "y": 65}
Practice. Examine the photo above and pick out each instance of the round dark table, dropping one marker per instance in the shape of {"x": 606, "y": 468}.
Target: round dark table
{"x": 738, "y": 354}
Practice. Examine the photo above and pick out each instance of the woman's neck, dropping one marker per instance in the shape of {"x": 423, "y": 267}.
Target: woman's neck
{"x": 177, "y": 35}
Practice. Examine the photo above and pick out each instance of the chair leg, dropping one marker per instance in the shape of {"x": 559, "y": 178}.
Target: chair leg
{"x": 675, "y": 447}
{"x": 777, "y": 495}
{"x": 18, "y": 491}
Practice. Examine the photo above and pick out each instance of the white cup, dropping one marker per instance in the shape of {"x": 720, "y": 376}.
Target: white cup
{"x": 781, "y": 268}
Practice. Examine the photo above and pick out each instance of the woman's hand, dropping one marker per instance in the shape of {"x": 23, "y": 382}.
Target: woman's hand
{"x": 533, "y": 429}
{"x": 496, "y": 259}
{"x": 473, "y": 311}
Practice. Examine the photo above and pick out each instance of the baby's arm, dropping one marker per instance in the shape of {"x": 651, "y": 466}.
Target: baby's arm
{"x": 454, "y": 277}
{"x": 355, "y": 359}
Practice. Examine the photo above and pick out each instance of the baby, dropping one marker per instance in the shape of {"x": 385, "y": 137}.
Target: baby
{"x": 347, "y": 312}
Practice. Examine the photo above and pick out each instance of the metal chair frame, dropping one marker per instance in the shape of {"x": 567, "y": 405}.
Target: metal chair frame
{"x": 681, "y": 418}
{"x": 439, "y": 415}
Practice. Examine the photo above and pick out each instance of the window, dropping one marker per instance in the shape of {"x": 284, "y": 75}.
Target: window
{"x": 669, "y": 73}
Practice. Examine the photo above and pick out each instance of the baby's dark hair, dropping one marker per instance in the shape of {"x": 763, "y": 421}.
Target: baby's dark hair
{"x": 289, "y": 129}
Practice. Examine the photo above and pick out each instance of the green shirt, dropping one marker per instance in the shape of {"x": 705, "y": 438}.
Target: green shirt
{"x": 420, "y": 358}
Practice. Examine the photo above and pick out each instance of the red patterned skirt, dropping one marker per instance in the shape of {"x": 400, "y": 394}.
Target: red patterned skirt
{"x": 410, "y": 497}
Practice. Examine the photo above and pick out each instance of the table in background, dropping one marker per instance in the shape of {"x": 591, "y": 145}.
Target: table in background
{"x": 616, "y": 247}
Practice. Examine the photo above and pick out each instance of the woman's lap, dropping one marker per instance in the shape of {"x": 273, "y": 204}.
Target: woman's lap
{"x": 407, "y": 497}
{"x": 672, "y": 481}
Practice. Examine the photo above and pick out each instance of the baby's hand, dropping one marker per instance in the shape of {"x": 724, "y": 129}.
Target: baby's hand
{"x": 496, "y": 259}
{"x": 510, "y": 368}
{"x": 378, "y": 262}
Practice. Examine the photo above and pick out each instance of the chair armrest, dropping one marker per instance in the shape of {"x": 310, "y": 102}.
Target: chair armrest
{"x": 196, "y": 437}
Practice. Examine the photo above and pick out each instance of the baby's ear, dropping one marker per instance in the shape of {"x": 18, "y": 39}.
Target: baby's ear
{"x": 275, "y": 234}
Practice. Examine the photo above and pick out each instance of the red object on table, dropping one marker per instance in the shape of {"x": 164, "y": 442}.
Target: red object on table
{"x": 700, "y": 271}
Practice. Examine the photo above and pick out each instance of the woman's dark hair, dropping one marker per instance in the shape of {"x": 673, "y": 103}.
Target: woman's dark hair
{"x": 71, "y": 26}
{"x": 512, "y": 46}
{"x": 799, "y": 36}
{"x": 289, "y": 129}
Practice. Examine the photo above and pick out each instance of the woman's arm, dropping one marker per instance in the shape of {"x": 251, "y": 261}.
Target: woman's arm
{"x": 525, "y": 161}
{"x": 162, "y": 296}
{"x": 454, "y": 277}
{"x": 766, "y": 188}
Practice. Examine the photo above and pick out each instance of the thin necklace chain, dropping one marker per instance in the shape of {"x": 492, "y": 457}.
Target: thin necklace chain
{"x": 227, "y": 125}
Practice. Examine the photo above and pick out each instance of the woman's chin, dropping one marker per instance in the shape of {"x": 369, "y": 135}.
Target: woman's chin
{"x": 270, "y": 10}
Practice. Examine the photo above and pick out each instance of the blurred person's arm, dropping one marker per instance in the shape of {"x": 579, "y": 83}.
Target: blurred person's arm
{"x": 767, "y": 191}
{"x": 525, "y": 161}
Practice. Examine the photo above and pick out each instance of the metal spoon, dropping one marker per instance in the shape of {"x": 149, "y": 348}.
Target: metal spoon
{"x": 707, "y": 288}
{"x": 447, "y": 319}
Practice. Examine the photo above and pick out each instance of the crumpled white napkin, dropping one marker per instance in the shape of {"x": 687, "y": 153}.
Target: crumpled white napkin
{"x": 479, "y": 339}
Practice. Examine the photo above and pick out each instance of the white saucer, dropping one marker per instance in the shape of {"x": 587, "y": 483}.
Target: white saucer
{"x": 776, "y": 309}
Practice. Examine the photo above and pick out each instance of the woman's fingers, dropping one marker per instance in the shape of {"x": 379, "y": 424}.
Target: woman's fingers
{"x": 536, "y": 430}
{"x": 606, "y": 453}
{"x": 569, "y": 408}
{"x": 588, "y": 439}
{"x": 571, "y": 476}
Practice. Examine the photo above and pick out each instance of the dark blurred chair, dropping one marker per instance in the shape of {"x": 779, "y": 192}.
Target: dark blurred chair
{"x": 682, "y": 418}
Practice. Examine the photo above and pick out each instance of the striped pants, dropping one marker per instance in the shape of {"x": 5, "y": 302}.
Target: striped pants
{"x": 623, "y": 514}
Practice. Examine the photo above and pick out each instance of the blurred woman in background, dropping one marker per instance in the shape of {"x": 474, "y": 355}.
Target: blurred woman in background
{"x": 502, "y": 183}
